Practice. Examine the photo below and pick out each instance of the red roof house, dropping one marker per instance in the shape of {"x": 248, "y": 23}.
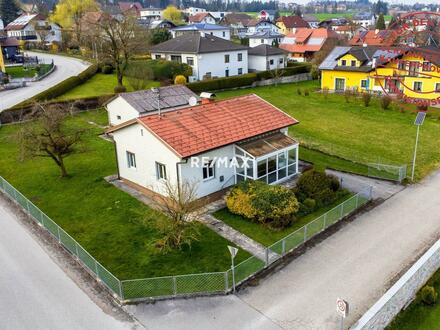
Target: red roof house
{"x": 241, "y": 127}
{"x": 375, "y": 38}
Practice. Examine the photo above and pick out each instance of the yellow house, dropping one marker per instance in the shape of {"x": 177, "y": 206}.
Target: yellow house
{"x": 289, "y": 24}
{"x": 412, "y": 74}
{"x": 2, "y": 62}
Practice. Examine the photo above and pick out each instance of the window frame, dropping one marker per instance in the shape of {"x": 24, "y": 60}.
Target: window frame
{"x": 353, "y": 62}
{"x": 227, "y": 58}
{"x": 131, "y": 159}
{"x": 344, "y": 62}
{"x": 239, "y": 71}
{"x": 161, "y": 171}
{"x": 208, "y": 168}
{"x": 240, "y": 57}
{"x": 190, "y": 59}
{"x": 417, "y": 89}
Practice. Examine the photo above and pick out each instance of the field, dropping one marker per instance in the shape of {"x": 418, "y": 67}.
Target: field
{"x": 352, "y": 131}
{"x": 114, "y": 227}
{"x": 320, "y": 16}
{"x": 100, "y": 84}
{"x": 418, "y": 315}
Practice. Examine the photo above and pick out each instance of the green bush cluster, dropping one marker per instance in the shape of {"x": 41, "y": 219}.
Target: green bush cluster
{"x": 168, "y": 70}
{"x": 315, "y": 190}
{"x": 429, "y": 295}
{"x": 223, "y": 83}
{"x": 274, "y": 206}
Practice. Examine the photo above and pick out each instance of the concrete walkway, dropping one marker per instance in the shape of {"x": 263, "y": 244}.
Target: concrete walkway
{"x": 358, "y": 263}
{"x": 66, "y": 67}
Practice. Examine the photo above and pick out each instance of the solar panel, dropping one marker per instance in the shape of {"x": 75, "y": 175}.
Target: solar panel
{"x": 420, "y": 118}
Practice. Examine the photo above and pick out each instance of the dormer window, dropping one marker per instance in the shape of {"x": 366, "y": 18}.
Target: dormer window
{"x": 343, "y": 62}
{"x": 353, "y": 62}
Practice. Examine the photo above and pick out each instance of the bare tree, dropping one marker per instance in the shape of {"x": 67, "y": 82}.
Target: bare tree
{"x": 138, "y": 75}
{"x": 121, "y": 38}
{"x": 50, "y": 136}
{"x": 182, "y": 207}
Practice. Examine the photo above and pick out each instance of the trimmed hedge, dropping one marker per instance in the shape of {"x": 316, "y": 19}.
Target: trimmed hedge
{"x": 245, "y": 79}
{"x": 62, "y": 87}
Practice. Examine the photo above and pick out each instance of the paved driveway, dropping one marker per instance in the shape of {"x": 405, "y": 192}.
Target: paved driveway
{"x": 65, "y": 67}
{"x": 358, "y": 263}
{"x": 35, "y": 293}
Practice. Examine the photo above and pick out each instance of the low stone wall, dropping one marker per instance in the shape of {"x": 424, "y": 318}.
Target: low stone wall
{"x": 402, "y": 292}
{"x": 284, "y": 80}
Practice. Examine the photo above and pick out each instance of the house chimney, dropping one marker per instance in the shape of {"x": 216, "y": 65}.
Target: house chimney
{"x": 373, "y": 64}
{"x": 207, "y": 97}
{"x": 376, "y": 31}
{"x": 364, "y": 45}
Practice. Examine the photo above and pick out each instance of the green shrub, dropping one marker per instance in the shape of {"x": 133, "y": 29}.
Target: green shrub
{"x": 107, "y": 69}
{"x": 385, "y": 102}
{"x": 366, "y": 98}
{"x": 288, "y": 71}
{"x": 166, "y": 70}
{"x": 428, "y": 295}
{"x": 120, "y": 89}
{"x": 306, "y": 92}
{"x": 274, "y": 206}
{"x": 298, "y": 91}
{"x": 223, "y": 83}
{"x": 307, "y": 206}
{"x": 320, "y": 187}
{"x": 88, "y": 73}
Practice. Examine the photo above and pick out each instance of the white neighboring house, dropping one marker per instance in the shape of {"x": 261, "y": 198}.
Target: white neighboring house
{"x": 179, "y": 147}
{"x": 191, "y": 11}
{"x": 34, "y": 28}
{"x": 265, "y": 38}
{"x": 260, "y": 26}
{"x": 127, "y": 106}
{"x": 219, "y": 15}
{"x": 364, "y": 19}
{"x": 2, "y": 26}
{"x": 264, "y": 57}
{"x": 209, "y": 56}
{"x": 152, "y": 14}
{"x": 220, "y": 31}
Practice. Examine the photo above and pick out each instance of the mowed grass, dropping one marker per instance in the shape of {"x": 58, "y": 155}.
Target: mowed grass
{"x": 21, "y": 72}
{"x": 418, "y": 315}
{"x": 352, "y": 131}
{"x": 107, "y": 222}
{"x": 99, "y": 85}
{"x": 265, "y": 235}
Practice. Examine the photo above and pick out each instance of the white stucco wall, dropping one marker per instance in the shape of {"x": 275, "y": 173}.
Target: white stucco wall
{"x": 120, "y": 107}
{"x": 148, "y": 150}
{"x": 195, "y": 174}
{"x": 258, "y": 63}
{"x": 254, "y": 42}
{"x": 215, "y": 63}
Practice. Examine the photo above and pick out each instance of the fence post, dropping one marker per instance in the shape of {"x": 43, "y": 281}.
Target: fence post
{"x": 283, "y": 246}
{"x": 305, "y": 233}
{"x": 121, "y": 294}
{"x": 59, "y": 235}
{"x": 325, "y": 221}
{"x": 370, "y": 193}
{"x": 357, "y": 201}
{"x": 174, "y": 285}
{"x": 226, "y": 282}
{"x": 267, "y": 256}
{"x": 42, "y": 219}
{"x": 96, "y": 270}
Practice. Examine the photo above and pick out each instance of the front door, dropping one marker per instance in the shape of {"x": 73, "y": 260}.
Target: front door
{"x": 339, "y": 84}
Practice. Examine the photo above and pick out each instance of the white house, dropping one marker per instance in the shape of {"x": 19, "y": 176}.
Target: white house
{"x": 220, "y": 31}
{"x": 34, "y": 27}
{"x": 202, "y": 18}
{"x": 260, "y": 26}
{"x": 127, "y": 106}
{"x": 264, "y": 57}
{"x": 219, "y": 15}
{"x": 364, "y": 19}
{"x": 265, "y": 38}
{"x": 209, "y": 56}
{"x": 152, "y": 14}
{"x": 194, "y": 10}
{"x": 213, "y": 145}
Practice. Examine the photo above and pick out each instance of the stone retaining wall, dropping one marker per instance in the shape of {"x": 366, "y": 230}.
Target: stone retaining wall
{"x": 402, "y": 292}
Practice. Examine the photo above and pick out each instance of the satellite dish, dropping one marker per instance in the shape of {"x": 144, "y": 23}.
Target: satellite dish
{"x": 192, "y": 101}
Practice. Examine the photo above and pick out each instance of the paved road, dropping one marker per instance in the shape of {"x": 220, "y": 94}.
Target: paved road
{"x": 65, "y": 68}
{"x": 35, "y": 293}
{"x": 357, "y": 263}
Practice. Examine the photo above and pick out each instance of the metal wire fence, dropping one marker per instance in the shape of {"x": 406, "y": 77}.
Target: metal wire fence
{"x": 191, "y": 284}
{"x": 388, "y": 172}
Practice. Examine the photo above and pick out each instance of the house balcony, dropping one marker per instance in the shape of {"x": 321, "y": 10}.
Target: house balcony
{"x": 271, "y": 158}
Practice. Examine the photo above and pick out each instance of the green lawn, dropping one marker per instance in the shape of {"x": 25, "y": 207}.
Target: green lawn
{"x": 419, "y": 316}
{"x": 265, "y": 235}
{"x": 20, "y": 72}
{"x": 351, "y": 131}
{"x": 103, "y": 219}
{"x": 99, "y": 85}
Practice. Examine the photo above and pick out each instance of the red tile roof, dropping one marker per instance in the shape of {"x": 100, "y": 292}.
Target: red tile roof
{"x": 375, "y": 38}
{"x": 194, "y": 130}
{"x": 308, "y": 40}
{"x": 197, "y": 18}
{"x": 293, "y": 22}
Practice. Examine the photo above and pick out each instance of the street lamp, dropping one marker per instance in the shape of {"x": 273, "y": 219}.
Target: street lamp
{"x": 233, "y": 251}
{"x": 418, "y": 122}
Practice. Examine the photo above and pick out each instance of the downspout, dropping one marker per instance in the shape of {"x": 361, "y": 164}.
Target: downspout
{"x": 117, "y": 163}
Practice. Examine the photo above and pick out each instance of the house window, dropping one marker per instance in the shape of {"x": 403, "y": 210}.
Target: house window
{"x": 161, "y": 171}
{"x": 208, "y": 170}
{"x": 281, "y": 60}
{"x": 131, "y": 160}
{"x": 118, "y": 117}
{"x": 364, "y": 83}
{"x": 239, "y": 57}
{"x": 401, "y": 65}
{"x": 224, "y": 34}
{"x": 339, "y": 84}
{"x": 227, "y": 73}
{"x": 240, "y": 71}
{"x": 437, "y": 87}
{"x": 344, "y": 62}
{"x": 176, "y": 58}
{"x": 262, "y": 41}
{"x": 426, "y": 66}
{"x": 413, "y": 68}
{"x": 157, "y": 57}
{"x": 226, "y": 58}
{"x": 417, "y": 86}
{"x": 271, "y": 62}
{"x": 190, "y": 60}
{"x": 353, "y": 63}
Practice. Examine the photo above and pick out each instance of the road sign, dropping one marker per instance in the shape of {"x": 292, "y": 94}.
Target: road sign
{"x": 342, "y": 307}
{"x": 233, "y": 251}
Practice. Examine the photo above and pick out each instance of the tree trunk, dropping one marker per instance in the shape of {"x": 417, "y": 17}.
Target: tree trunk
{"x": 62, "y": 167}
{"x": 119, "y": 75}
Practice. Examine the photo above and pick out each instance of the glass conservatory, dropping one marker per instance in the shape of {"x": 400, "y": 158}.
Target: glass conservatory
{"x": 271, "y": 158}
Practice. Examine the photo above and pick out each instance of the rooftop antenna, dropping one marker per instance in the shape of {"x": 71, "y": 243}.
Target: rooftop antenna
{"x": 156, "y": 92}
